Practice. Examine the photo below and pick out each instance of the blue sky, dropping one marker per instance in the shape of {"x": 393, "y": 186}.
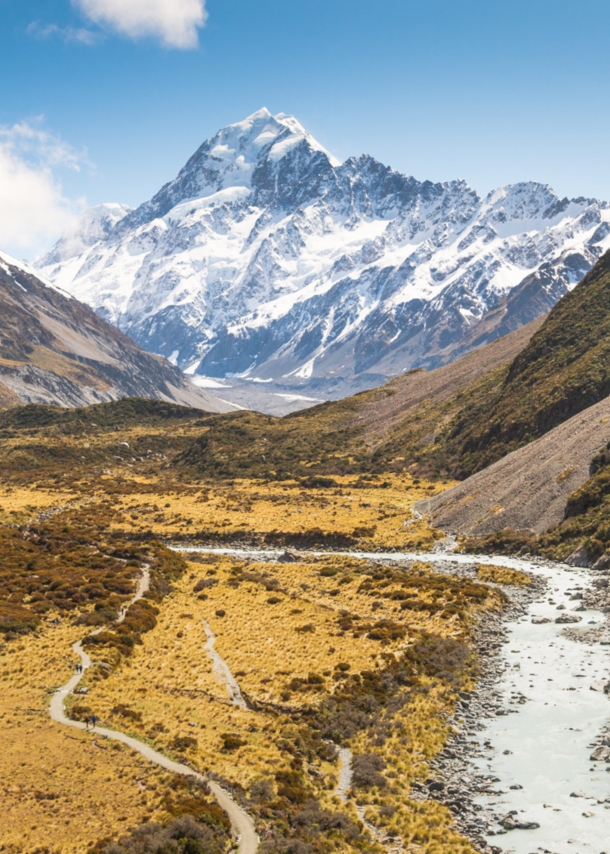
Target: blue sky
{"x": 105, "y": 105}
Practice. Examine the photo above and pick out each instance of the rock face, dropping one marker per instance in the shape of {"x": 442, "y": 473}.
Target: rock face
{"x": 267, "y": 259}
{"x": 56, "y": 350}
{"x": 526, "y": 490}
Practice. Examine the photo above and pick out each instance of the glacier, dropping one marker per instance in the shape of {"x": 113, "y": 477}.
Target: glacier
{"x": 268, "y": 261}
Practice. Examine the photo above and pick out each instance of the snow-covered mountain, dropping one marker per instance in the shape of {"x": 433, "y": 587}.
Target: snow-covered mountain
{"x": 55, "y": 350}
{"x": 267, "y": 259}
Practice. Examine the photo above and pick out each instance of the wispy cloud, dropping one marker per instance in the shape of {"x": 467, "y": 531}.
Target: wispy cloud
{"x": 33, "y": 207}
{"x": 75, "y": 35}
{"x": 175, "y": 23}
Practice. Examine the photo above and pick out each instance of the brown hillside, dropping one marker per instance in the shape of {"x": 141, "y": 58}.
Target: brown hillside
{"x": 528, "y": 489}
{"x": 388, "y": 428}
{"x": 56, "y": 350}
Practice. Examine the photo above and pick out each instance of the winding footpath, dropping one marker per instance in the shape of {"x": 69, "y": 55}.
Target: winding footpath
{"x": 222, "y": 671}
{"x": 544, "y": 742}
{"x": 241, "y": 823}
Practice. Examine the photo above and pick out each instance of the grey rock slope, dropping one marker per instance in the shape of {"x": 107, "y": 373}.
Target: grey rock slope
{"x": 266, "y": 260}
{"x": 528, "y": 489}
{"x": 56, "y": 350}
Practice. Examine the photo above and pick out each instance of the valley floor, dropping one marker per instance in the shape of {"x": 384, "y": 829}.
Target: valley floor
{"x": 250, "y": 669}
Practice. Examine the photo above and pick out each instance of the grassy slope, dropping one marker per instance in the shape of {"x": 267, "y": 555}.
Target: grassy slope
{"x": 564, "y": 369}
{"x": 585, "y": 528}
{"x": 386, "y": 429}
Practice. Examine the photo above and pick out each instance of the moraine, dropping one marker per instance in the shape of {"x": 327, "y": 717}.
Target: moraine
{"x": 548, "y": 714}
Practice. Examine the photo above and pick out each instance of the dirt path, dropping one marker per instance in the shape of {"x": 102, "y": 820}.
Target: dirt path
{"x": 242, "y": 824}
{"x": 345, "y": 773}
{"x": 392, "y": 844}
{"x": 222, "y": 670}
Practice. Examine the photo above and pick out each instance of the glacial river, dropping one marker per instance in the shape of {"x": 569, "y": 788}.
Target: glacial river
{"x": 542, "y": 746}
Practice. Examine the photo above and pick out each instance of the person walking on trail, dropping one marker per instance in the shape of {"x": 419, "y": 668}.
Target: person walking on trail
{"x": 87, "y": 722}
{"x": 94, "y": 720}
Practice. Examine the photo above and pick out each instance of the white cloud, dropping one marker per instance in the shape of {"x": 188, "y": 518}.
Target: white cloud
{"x": 78, "y": 35}
{"x": 33, "y": 208}
{"x": 174, "y": 22}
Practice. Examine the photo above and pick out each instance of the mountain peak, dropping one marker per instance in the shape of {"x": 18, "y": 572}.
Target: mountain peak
{"x": 263, "y": 260}
{"x": 228, "y": 160}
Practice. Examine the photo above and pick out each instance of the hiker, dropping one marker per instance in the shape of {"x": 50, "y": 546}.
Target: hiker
{"x": 87, "y": 722}
{"x": 94, "y": 720}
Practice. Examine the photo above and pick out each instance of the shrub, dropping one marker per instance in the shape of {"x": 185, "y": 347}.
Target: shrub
{"x": 184, "y": 835}
{"x": 232, "y": 742}
{"x": 366, "y": 771}
{"x": 79, "y": 712}
{"x": 183, "y": 742}
{"x": 204, "y": 583}
{"x": 16, "y": 620}
{"x": 502, "y": 575}
{"x": 262, "y": 791}
{"x": 125, "y": 712}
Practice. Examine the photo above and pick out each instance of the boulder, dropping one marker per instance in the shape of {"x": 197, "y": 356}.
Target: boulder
{"x": 288, "y": 557}
{"x": 568, "y": 618}
{"x": 511, "y": 822}
{"x": 579, "y": 558}
{"x": 601, "y": 754}
{"x": 539, "y": 621}
{"x": 602, "y": 563}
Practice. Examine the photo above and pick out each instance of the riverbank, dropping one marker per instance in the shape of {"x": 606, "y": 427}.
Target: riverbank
{"x": 522, "y": 741}
{"x": 518, "y": 773}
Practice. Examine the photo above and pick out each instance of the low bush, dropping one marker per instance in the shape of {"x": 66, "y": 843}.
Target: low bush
{"x": 124, "y": 711}
{"x": 184, "y": 835}
{"x": 183, "y": 742}
{"x": 367, "y": 768}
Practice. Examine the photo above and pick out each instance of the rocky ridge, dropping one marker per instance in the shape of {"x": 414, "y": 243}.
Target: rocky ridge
{"x": 269, "y": 261}
{"x": 55, "y": 350}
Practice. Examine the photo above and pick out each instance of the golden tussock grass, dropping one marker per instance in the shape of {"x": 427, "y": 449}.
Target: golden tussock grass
{"x": 306, "y": 641}
{"x": 61, "y": 789}
{"x": 502, "y": 575}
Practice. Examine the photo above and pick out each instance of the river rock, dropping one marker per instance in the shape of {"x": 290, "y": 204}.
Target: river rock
{"x": 538, "y": 621}
{"x": 288, "y": 557}
{"x": 568, "y": 618}
{"x": 602, "y": 563}
{"x": 579, "y": 558}
{"x": 511, "y": 822}
{"x": 601, "y": 754}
